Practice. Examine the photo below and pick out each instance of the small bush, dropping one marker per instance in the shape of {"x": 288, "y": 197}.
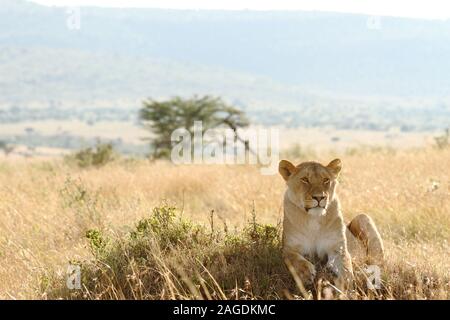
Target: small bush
{"x": 443, "y": 141}
{"x": 167, "y": 257}
{"x": 297, "y": 153}
{"x": 93, "y": 157}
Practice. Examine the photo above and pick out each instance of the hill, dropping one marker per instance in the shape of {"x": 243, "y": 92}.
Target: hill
{"x": 280, "y": 67}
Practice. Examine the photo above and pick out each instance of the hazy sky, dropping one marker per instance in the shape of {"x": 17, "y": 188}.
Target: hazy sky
{"x": 434, "y": 9}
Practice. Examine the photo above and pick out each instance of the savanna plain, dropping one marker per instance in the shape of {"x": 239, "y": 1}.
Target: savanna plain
{"x": 152, "y": 230}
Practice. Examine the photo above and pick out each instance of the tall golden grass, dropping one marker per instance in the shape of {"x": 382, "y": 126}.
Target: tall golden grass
{"x": 46, "y": 208}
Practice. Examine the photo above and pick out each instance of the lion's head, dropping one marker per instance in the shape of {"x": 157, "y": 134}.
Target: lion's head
{"x": 311, "y": 185}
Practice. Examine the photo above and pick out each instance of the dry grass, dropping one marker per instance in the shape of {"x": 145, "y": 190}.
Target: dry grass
{"x": 47, "y": 207}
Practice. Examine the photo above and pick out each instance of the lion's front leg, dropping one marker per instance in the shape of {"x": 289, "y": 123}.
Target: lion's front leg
{"x": 300, "y": 265}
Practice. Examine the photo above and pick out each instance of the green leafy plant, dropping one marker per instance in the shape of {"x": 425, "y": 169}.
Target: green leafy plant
{"x": 93, "y": 157}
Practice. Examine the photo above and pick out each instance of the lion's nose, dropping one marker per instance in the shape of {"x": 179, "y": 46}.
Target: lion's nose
{"x": 318, "y": 198}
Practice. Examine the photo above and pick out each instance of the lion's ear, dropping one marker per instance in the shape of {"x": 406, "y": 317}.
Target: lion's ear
{"x": 286, "y": 169}
{"x": 335, "y": 166}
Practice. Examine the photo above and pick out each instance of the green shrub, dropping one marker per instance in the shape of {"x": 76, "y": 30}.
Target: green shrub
{"x": 93, "y": 157}
{"x": 169, "y": 230}
{"x": 165, "y": 256}
{"x": 97, "y": 241}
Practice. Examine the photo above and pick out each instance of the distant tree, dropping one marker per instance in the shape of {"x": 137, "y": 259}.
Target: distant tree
{"x": 6, "y": 148}
{"x": 163, "y": 117}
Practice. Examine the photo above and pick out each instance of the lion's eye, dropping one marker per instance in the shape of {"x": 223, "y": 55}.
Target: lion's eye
{"x": 304, "y": 180}
{"x": 326, "y": 181}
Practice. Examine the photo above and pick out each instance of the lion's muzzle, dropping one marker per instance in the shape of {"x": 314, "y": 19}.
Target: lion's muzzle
{"x": 316, "y": 205}
{"x": 316, "y": 202}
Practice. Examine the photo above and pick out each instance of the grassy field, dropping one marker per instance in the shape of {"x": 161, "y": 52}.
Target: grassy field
{"x": 153, "y": 230}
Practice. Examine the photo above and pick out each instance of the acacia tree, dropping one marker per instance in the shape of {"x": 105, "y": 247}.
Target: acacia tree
{"x": 163, "y": 117}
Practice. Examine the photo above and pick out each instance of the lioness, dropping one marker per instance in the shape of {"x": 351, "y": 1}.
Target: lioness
{"x": 313, "y": 225}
